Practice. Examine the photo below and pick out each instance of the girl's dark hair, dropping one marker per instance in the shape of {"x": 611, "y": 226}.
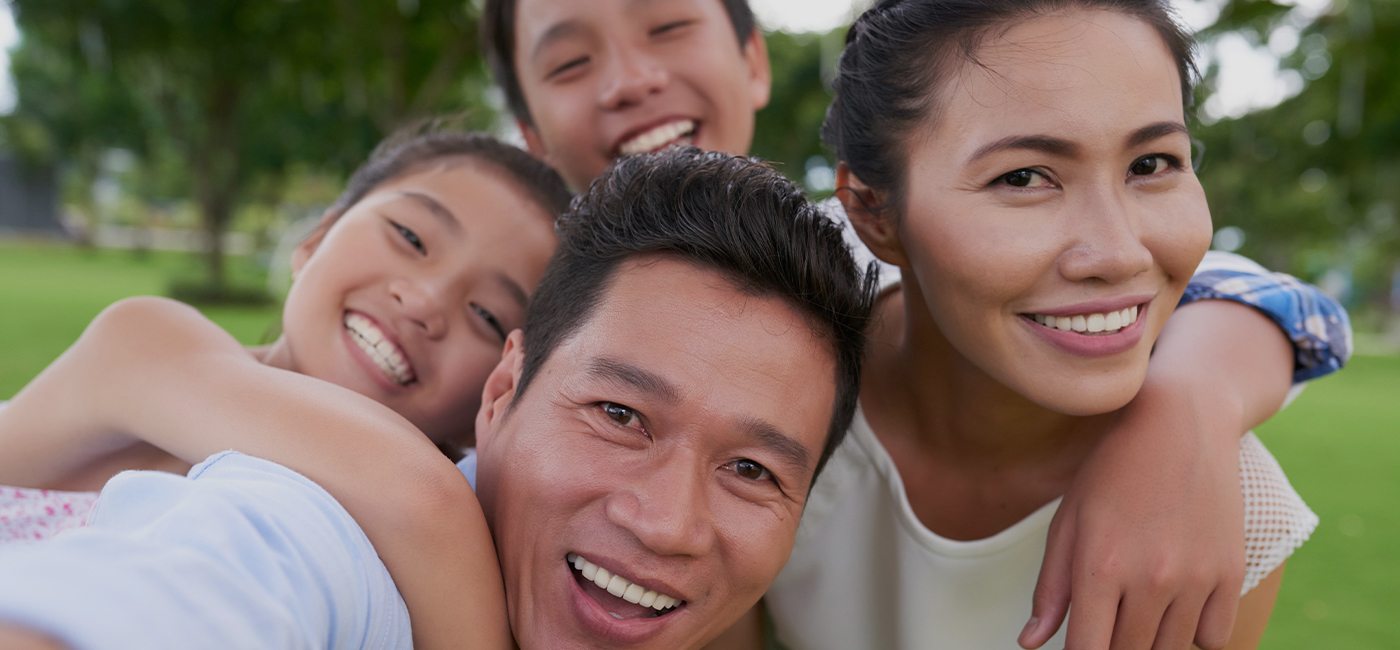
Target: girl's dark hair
{"x": 497, "y": 33}
{"x": 900, "y": 53}
{"x": 409, "y": 148}
{"x": 734, "y": 215}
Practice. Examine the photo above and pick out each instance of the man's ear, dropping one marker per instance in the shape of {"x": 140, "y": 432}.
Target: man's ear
{"x": 302, "y": 253}
{"x": 760, "y": 70}
{"x": 499, "y": 393}
{"x": 871, "y": 218}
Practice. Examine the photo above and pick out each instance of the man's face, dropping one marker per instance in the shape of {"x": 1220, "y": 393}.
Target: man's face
{"x": 669, "y": 442}
{"x": 611, "y": 77}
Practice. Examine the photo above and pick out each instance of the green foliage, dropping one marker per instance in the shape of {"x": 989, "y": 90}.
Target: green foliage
{"x": 788, "y": 130}
{"x": 1315, "y": 181}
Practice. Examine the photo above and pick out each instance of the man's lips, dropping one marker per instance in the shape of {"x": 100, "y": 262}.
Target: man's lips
{"x": 620, "y": 596}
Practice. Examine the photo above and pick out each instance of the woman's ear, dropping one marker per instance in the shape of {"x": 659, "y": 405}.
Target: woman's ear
{"x": 498, "y": 395}
{"x": 870, "y": 216}
{"x": 302, "y": 253}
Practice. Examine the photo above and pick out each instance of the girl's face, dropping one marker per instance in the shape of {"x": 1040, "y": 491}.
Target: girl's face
{"x": 408, "y": 296}
{"x": 1052, "y": 218}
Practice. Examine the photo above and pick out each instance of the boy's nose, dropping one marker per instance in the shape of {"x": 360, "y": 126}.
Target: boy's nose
{"x": 632, "y": 76}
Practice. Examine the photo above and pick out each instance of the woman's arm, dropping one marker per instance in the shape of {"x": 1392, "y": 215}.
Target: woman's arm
{"x": 1155, "y": 514}
{"x": 156, "y": 370}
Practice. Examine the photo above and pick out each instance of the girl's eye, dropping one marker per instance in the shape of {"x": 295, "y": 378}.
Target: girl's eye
{"x": 410, "y": 237}
{"x": 1023, "y": 178}
{"x": 567, "y": 66}
{"x": 750, "y": 470}
{"x": 622, "y": 415}
{"x": 490, "y": 320}
{"x": 1153, "y": 164}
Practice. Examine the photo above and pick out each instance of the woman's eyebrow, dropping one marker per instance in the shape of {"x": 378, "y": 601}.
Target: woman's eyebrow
{"x": 1042, "y": 143}
{"x": 1153, "y": 131}
{"x": 436, "y": 208}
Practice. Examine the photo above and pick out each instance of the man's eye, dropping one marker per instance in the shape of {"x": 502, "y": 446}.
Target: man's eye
{"x": 490, "y": 319}
{"x": 750, "y": 470}
{"x": 410, "y": 237}
{"x": 1153, "y": 164}
{"x": 622, "y": 415}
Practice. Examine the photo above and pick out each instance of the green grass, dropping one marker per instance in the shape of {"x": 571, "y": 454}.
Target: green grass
{"x": 49, "y": 293}
{"x": 1340, "y": 442}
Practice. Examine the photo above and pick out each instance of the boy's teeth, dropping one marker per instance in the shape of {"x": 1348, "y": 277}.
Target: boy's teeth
{"x": 621, "y": 587}
{"x": 655, "y": 138}
{"x": 369, "y": 338}
{"x": 1103, "y": 323}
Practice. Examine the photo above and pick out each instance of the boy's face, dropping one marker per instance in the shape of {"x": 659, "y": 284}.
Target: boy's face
{"x": 612, "y": 77}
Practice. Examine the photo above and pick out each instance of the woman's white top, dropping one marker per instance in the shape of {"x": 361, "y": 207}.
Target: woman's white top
{"x": 866, "y": 573}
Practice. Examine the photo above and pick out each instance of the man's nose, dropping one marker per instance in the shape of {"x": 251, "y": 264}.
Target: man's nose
{"x": 423, "y": 304}
{"x": 631, "y": 75}
{"x": 1106, "y": 241}
{"x": 665, "y": 507}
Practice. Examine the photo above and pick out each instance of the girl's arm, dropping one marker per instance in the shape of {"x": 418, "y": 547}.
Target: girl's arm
{"x": 1155, "y": 515}
{"x": 156, "y": 370}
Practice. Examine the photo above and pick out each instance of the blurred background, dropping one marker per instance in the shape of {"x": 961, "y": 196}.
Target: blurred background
{"x": 178, "y": 148}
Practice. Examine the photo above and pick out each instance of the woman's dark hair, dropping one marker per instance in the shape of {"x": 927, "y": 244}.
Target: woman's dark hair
{"x": 497, "y": 32}
{"x": 900, "y": 53}
{"x": 734, "y": 215}
{"x": 407, "y": 149}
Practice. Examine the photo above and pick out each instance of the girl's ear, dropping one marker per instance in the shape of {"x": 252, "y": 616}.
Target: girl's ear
{"x": 870, "y": 217}
{"x": 498, "y": 395}
{"x": 302, "y": 253}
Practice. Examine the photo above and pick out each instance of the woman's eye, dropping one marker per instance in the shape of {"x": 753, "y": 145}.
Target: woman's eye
{"x": 1153, "y": 164}
{"x": 622, "y": 415}
{"x": 750, "y": 470}
{"x": 1023, "y": 178}
{"x": 410, "y": 237}
{"x": 490, "y": 320}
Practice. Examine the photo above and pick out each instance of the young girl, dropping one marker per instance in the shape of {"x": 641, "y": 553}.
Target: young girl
{"x": 403, "y": 294}
{"x": 1026, "y": 165}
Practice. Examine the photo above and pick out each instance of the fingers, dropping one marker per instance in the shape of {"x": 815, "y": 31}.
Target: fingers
{"x": 1050, "y": 601}
{"x": 1217, "y": 621}
{"x": 1091, "y": 619}
{"x": 1178, "y": 624}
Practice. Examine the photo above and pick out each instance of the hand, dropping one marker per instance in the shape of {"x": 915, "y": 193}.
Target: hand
{"x": 1148, "y": 541}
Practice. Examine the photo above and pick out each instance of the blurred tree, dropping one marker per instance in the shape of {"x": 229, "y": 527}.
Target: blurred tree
{"x": 234, "y": 92}
{"x": 788, "y": 131}
{"x": 1315, "y": 181}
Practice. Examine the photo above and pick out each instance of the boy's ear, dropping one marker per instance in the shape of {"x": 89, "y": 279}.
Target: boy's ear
{"x": 870, "y": 216}
{"x": 308, "y": 246}
{"x": 498, "y": 395}
{"x": 760, "y": 70}
{"x": 533, "y": 143}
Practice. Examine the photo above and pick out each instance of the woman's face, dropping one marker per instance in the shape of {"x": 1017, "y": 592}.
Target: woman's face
{"x": 1052, "y": 218}
{"x": 408, "y": 296}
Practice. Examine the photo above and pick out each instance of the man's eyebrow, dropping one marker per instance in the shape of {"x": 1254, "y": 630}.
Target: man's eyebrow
{"x": 770, "y": 437}
{"x": 630, "y": 375}
{"x": 1043, "y": 143}
{"x": 1153, "y": 131}
{"x": 437, "y": 209}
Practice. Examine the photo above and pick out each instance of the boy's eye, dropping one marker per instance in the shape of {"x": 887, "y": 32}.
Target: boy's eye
{"x": 670, "y": 27}
{"x": 490, "y": 320}
{"x": 410, "y": 237}
{"x": 750, "y": 470}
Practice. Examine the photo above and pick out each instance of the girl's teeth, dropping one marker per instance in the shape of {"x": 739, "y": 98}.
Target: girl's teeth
{"x": 1107, "y": 322}
{"x": 619, "y": 586}
{"x": 370, "y": 339}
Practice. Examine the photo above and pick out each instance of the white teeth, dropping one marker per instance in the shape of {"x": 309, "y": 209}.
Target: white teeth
{"x": 656, "y": 138}
{"x": 1107, "y": 322}
{"x": 369, "y": 338}
{"x": 619, "y": 586}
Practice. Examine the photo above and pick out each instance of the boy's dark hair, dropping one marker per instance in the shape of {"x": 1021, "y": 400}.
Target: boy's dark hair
{"x": 409, "y": 148}
{"x": 498, "y": 45}
{"x": 901, "y": 53}
{"x": 731, "y": 214}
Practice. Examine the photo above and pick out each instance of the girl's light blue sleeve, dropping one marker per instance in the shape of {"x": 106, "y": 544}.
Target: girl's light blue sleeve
{"x": 242, "y": 553}
{"x": 1316, "y": 324}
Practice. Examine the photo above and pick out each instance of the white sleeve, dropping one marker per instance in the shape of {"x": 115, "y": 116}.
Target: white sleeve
{"x": 1276, "y": 520}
